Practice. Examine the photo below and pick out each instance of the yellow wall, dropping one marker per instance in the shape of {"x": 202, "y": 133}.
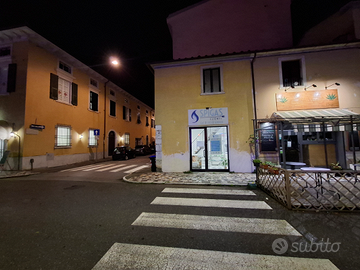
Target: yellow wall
{"x": 34, "y": 67}
{"x": 178, "y": 89}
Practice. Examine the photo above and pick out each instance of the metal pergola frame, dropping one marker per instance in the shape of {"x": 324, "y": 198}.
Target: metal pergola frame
{"x": 349, "y": 123}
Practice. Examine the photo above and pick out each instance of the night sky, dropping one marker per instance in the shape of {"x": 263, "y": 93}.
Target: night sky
{"x": 134, "y": 30}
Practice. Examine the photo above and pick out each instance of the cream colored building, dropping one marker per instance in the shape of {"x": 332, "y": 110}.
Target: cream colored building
{"x": 61, "y": 110}
{"x": 210, "y": 102}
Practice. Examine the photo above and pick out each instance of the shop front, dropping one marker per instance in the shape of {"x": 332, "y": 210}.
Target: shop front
{"x": 208, "y": 136}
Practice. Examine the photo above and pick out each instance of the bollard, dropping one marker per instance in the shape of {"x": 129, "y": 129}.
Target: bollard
{"x": 153, "y": 163}
{"x": 31, "y": 163}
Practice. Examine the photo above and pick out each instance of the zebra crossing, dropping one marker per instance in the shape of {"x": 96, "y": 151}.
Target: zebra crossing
{"x": 108, "y": 168}
{"x": 135, "y": 256}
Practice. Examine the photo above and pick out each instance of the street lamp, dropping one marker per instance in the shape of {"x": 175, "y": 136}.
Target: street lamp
{"x": 114, "y": 62}
{"x": 12, "y": 134}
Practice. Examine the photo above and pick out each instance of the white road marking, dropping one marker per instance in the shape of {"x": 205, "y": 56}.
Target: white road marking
{"x": 208, "y": 191}
{"x": 130, "y": 256}
{"x": 97, "y": 167}
{"x": 248, "y": 204}
{"x": 108, "y": 168}
{"x": 78, "y": 168}
{"x": 136, "y": 169}
{"x": 215, "y": 223}
{"x": 125, "y": 168}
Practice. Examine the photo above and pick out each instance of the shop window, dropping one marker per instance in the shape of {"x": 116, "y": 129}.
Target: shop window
{"x": 112, "y": 108}
{"x": 62, "y": 136}
{"x": 94, "y": 101}
{"x": 211, "y": 80}
{"x": 292, "y": 72}
{"x": 92, "y": 138}
{"x": 63, "y": 90}
{"x": 356, "y": 140}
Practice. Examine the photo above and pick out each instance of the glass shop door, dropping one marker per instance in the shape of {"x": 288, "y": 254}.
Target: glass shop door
{"x": 209, "y": 149}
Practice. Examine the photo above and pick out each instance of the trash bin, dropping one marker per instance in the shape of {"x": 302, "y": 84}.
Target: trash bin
{"x": 153, "y": 163}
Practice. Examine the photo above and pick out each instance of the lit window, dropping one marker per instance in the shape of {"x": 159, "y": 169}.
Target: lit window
{"x": 63, "y": 136}
{"x": 126, "y": 113}
{"x": 64, "y": 90}
{"x": 92, "y": 138}
{"x": 127, "y": 138}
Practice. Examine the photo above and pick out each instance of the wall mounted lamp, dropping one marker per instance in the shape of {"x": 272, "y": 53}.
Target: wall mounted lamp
{"x": 289, "y": 88}
{"x": 81, "y": 136}
{"x": 313, "y": 85}
{"x": 337, "y": 84}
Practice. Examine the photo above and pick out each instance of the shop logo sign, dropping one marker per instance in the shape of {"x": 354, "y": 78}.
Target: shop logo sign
{"x": 213, "y": 116}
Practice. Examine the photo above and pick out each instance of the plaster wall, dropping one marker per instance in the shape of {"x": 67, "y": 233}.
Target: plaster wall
{"x": 226, "y": 26}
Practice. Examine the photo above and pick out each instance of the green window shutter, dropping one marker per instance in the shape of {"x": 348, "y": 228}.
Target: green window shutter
{"x": 54, "y": 86}
{"x": 74, "y": 94}
{"x": 11, "y": 80}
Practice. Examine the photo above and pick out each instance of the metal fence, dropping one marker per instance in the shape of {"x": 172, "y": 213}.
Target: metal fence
{"x": 312, "y": 190}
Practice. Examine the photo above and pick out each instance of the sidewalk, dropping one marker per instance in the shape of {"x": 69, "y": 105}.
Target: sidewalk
{"x": 193, "y": 178}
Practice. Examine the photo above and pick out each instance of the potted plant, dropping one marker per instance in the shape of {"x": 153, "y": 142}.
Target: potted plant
{"x": 335, "y": 166}
{"x": 256, "y": 162}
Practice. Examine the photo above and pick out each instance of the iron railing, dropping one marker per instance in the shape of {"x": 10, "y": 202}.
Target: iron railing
{"x": 312, "y": 190}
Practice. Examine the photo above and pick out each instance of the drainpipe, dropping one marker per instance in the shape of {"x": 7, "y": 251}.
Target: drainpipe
{"x": 104, "y": 119}
{"x": 254, "y": 104}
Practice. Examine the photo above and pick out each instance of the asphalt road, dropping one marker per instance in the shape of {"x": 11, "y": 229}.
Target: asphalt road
{"x": 52, "y": 221}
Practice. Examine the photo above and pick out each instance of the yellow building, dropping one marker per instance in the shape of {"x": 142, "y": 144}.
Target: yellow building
{"x": 212, "y": 100}
{"x": 203, "y": 110}
{"x": 54, "y": 110}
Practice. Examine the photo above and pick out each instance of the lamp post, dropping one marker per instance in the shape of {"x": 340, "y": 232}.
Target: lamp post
{"x": 114, "y": 62}
{"x": 15, "y": 134}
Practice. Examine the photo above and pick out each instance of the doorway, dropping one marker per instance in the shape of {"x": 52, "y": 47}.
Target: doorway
{"x": 111, "y": 143}
{"x": 209, "y": 149}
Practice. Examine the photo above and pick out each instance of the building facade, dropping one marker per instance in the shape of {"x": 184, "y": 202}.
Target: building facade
{"x": 55, "y": 110}
{"x": 219, "y": 112}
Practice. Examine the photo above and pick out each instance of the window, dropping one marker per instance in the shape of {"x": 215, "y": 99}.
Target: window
{"x": 7, "y": 77}
{"x": 127, "y": 138}
{"x": 138, "y": 107}
{"x": 63, "y": 90}
{"x": 138, "y": 120}
{"x": 292, "y": 72}
{"x": 94, "y": 83}
{"x": 5, "y": 51}
{"x": 92, "y": 138}
{"x": 147, "y": 121}
{"x": 112, "y": 93}
{"x": 211, "y": 79}
{"x": 126, "y": 113}
{"x": 2, "y": 147}
{"x": 356, "y": 140}
{"x": 94, "y": 101}
{"x": 65, "y": 67}
{"x": 112, "y": 108}
{"x": 152, "y": 123}
{"x": 63, "y": 136}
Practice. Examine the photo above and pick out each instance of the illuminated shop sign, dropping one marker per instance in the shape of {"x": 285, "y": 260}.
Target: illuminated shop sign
{"x": 211, "y": 116}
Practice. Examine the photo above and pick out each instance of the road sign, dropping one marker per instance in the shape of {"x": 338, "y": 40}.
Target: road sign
{"x": 96, "y": 132}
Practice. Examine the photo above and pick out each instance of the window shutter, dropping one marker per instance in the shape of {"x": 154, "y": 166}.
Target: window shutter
{"x": 11, "y": 80}
{"x": 74, "y": 94}
{"x": 54, "y": 86}
{"x": 130, "y": 115}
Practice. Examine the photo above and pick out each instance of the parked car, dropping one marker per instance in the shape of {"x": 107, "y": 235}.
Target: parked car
{"x": 123, "y": 152}
{"x": 142, "y": 150}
